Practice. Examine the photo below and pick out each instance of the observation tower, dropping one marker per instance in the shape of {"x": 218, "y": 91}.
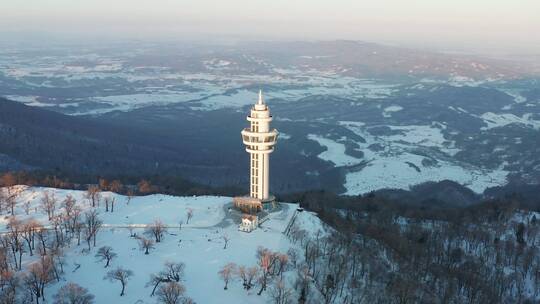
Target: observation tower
{"x": 259, "y": 140}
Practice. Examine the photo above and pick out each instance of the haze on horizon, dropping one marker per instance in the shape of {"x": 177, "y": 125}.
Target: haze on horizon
{"x": 502, "y": 26}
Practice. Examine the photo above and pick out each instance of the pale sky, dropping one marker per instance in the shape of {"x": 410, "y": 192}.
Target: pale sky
{"x": 502, "y": 25}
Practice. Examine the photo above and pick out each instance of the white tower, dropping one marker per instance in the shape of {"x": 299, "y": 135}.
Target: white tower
{"x": 259, "y": 141}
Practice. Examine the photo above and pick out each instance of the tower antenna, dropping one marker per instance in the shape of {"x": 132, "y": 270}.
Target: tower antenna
{"x": 261, "y": 101}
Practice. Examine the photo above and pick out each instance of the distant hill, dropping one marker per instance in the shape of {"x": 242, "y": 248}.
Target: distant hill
{"x": 44, "y": 139}
{"x": 442, "y": 194}
{"x": 169, "y": 142}
{"x": 362, "y": 59}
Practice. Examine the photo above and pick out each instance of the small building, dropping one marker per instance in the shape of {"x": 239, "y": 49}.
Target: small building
{"x": 249, "y": 223}
{"x": 251, "y": 205}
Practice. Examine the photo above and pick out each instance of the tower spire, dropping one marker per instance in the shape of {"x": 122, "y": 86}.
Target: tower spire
{"x": 261, "y": 100}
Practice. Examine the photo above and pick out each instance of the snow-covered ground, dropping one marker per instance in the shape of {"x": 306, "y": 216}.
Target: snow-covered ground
{"x": 198, "y": 244}
{"x": 423, "y": 136}
{"x": 335, "y": 152}
{"x": 150, "y": 85}
{"x": 500, "y": 120}
{"x": 213, "y": 92}
{"x": 399, "y": 166}
{"x": 236, "y": 100}
{"x": 140, "y": 210}
{"x": 400, "y": 172}
{"x": 387, "y": 112}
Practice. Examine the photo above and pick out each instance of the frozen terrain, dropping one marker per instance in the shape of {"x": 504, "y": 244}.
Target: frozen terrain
{"x": 400, "y": 164}
{"x": 500, "y": 120}
{"x": 198, "y": 244}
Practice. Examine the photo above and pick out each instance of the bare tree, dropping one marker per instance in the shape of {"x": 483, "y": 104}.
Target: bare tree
{"x": 28, "y": 233}
{"x": 107, "y": 201}
{"x": 173, "y": 272}
{"x": 3, "y": 197}
{"x": 11, "y": 201}
{"x": 266, "y": 260}
{"x": 112, "y": 204}
{"x": 56, "y": 223}
{"x": 106, "y": 253}
{"x": 226, "y": 273}
{"x": 74, "y": 217}
{"x": 156, "y": 229}
{"x": 9, "y": 283}
{"x": 172, "y": 293}
{"x": 293, "y": 255}
{"x": 121, "y": 275}
{"x": 38, "y": 276}
{"x": 4, "y": 253}
{"x": 57, "y": 262}
{"x": 226, "y": 240}
{"x": 8, "y": 180}
{"x": 103, "y": 184}
{"x": 251, "y": 274}
{"x": 78, "y": 228}
{"x": 189, "y": 215}
{"x": 282, "y": 261}
{"x": 68, "y": 204}
{"x": 280, "y": 293}
{"x": 15, "y": 240}
{"x": 26, "y": 206}
{"x": 145, "y": 187}
{"x": 146, "y": 244}
{"x": 48, "y": 204}
{"x": 180, "y": 223}
{"x": 41, "y": 233}
{"x": 131, "y": 228}
{"x": 92, "y": 224}
{"x": 72, "y": 293}
{"x": 241, "y": 272}
{"x": 116, "y": 186}
{"x": 93, "y": 195}
{"x": 130, "y": 194}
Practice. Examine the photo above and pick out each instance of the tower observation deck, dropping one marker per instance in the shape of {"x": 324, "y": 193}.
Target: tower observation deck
{"x": 259, "y": 140}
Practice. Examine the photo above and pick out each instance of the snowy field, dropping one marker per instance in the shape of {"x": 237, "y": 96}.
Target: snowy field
{"x": 198, "y": 244}
{"x": 211, "y": 93}
{"x": 399, "y": 166}
{"x": 335, "y": 152}
{"x": 148, "y": 85}
{"x": 400, "y": 172}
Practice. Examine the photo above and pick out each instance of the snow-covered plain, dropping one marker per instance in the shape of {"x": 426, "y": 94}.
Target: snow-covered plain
{"x": 399, "y": 172}
{"x": 398, "y": 165}
{"x": 213, "y": 93}
{"x": 198, "y": 244}
{"x": 335, "y": 152}
{"x": 150, "y": 85}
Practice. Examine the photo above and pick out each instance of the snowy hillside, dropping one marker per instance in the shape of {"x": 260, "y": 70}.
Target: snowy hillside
{"x": 198, "y": 243}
